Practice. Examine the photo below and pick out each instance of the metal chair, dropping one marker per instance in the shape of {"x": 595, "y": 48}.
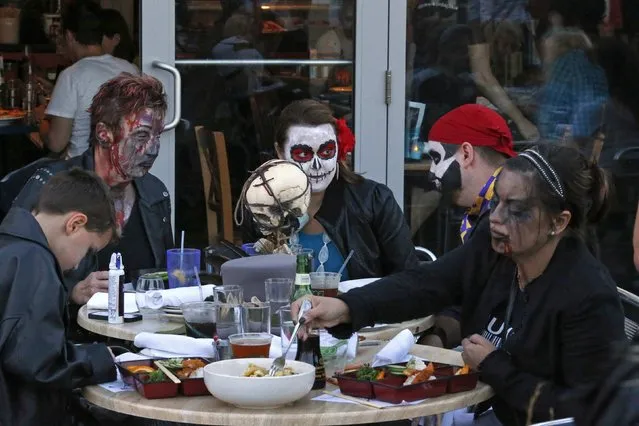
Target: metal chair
{"x": 566, "y": 421}
{"x": 630, "y": 303}
{"x": 425, "y": 255}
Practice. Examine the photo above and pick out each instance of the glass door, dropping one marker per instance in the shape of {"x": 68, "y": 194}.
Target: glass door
{"x": 230, "y": 66}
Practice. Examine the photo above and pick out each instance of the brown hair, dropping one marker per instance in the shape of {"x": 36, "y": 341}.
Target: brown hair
{"x": 492, "y": 157}
{"x": 82, "y": 191}
{"x": 308, "y": 112}
{"x": 586, "y": 189}
{"x": 123, "y": 95}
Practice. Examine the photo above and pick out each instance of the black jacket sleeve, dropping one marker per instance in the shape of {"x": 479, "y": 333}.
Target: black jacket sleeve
{"x": 589, "y": 333}
{"x": 36, "y": 349}
{"x": 420, "y": 291}
{"x": 392, "y": 232}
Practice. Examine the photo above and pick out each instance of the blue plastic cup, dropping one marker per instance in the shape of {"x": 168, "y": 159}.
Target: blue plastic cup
{"x": 181, "y": 267}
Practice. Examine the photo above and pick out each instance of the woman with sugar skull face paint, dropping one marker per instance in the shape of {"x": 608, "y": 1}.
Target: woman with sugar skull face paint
{"x": 541, "y": 315}
{"x": 346, "y": 211}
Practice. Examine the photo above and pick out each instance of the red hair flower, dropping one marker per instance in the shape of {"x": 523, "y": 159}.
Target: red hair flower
{"x": 345, "y": 139}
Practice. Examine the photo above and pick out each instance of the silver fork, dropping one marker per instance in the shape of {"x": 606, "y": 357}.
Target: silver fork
{"x": 280, "y": 361}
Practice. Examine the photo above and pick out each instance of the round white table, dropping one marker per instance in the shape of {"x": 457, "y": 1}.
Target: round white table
{"x": 127, "y": 331}
{"x": 206, "y": 410}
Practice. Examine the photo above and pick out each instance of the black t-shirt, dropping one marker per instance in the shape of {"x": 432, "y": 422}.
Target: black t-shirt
{"x": 494, "y": 330}
{"x": 134, "y": 247}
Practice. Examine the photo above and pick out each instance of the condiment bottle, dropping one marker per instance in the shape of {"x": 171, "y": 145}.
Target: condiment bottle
{"x": 116, "y": 289}
{"x": 308, "y": 351}
{"x": 302, "y": 277}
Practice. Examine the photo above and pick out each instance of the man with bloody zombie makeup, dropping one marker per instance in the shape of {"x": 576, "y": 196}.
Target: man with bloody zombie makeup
{"x": 346, "y": 211}
{"x": 127, "y": 118}
{"x": 468, "y": 146}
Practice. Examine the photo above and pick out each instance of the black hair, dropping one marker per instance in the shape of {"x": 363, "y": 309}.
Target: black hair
{"x": 621, "y": 64}
{"x": 583, "y": 14}
{"x": 82, "y": 191}
{"x": 113, "y": 23}
{"x": 83, "y": 19}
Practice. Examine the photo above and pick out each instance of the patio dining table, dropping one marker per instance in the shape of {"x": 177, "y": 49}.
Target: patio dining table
{"x": 207, "y": 410}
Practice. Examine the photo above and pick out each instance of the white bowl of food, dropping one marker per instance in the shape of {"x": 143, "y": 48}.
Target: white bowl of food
{"x": 241, "y": 382}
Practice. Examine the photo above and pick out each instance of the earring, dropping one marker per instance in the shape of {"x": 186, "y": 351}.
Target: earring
{"x": 337, "y": 173}
{"x": 552, "y": 233}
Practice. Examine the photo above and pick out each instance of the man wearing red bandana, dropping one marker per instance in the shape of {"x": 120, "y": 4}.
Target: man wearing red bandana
{"x": 467, "y": 145}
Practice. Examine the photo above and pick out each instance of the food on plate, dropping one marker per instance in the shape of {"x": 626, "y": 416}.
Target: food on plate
{"x": 185, "y": 368}
{"x": 366, "y": 372}
{"x": 419, "y": 376}
{"x": 11, "y": 113}
{"x": 156, "y": 376}
{"x": 464, "y": 370}
{"x": 413, "y": 366}
{"x": 135, "y": 369}
{"x": 256, "y": 371}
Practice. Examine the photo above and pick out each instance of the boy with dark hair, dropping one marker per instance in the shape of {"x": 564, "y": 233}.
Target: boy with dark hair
{"x": 39, "y": 367}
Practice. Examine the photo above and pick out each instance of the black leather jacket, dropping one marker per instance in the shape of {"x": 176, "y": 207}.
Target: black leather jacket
{"x": 39, "y": 367}
{"x": 365, "y": 217}
{"x": 154, "y": 203}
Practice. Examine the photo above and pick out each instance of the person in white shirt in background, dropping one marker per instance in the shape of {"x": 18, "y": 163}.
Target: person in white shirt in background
{"x": 66, "y": 128}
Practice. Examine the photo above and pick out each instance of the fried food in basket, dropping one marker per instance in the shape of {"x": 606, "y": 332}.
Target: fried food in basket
{"x": 464, "y": 370}
{"x": 421, "y": 375}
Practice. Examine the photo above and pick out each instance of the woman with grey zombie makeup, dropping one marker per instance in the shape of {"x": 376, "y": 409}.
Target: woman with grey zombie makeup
{"x": 346, "y": 211}
{"x": 540, "y": 313}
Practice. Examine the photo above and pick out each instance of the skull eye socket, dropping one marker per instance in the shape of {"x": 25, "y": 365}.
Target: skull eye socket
{"x": 301, "y": 153}
{"x": 327, "y": 150}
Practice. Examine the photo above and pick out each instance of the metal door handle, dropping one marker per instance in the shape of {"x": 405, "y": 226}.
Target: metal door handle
{"x": 177, "y": 93}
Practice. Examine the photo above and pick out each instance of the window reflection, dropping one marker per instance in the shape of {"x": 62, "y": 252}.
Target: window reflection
{"x": 558, "y": 71}
{"x": 243, "y": 101}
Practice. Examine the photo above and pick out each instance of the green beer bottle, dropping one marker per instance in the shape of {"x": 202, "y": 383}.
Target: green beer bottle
{"x": 302, "y": 277}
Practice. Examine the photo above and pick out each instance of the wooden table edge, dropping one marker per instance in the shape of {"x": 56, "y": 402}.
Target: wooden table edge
{"x": 341, "y": 416}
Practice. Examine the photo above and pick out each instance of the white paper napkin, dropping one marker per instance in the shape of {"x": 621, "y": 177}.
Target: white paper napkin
{"x": 100, "y": 301}
{"x": 129, "y": 356}
{"x": 396, "y": 350}
{"x": 177, "y": 296}
{"x": 175, "y": 345}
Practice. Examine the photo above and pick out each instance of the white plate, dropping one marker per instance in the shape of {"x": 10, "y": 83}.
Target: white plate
{"x": 345, "y": 286}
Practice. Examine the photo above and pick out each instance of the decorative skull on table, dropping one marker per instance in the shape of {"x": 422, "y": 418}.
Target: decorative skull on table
{"x": 277, "y": 194}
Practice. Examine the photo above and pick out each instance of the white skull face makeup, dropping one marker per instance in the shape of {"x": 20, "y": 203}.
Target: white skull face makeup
{"x": 315, "y": 150}
{"x": 444, "y": 174}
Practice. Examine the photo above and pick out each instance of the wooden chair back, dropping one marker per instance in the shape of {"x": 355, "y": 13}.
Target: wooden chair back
{"x": 265, "y": 109}
{"x": 217, "y": 183}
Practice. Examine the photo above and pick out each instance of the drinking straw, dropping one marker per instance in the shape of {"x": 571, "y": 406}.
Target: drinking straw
{"x": 345, "y": 262}
{"x": 182, "y": 252}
